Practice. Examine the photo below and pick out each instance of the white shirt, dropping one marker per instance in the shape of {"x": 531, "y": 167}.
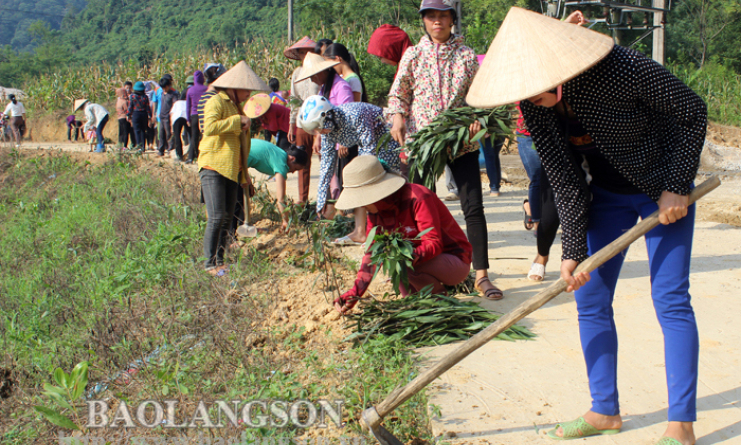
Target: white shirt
{"x": 94, "y": 114}
{"x": 15, "y": 110}
{"x": 178, "y": 111}
{"x": 355, "y": 84}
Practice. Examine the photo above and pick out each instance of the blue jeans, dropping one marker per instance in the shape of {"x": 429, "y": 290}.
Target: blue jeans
{"x": 491, "y": 157}
{"x": 531, "y": 161}
{"x": 99, "y": 134}
{"x": 669, "y": 250}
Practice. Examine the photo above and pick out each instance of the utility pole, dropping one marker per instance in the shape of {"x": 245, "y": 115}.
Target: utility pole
{"x": 459, "y": 12}
{"x": 658, "y": 47}
{"x": 290, "y": 20}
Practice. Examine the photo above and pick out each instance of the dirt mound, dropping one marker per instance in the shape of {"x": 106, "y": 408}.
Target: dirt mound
{"x": 724, "y": 135}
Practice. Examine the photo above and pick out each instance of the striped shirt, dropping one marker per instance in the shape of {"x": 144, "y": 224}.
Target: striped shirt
{"x": 201, "y": 105}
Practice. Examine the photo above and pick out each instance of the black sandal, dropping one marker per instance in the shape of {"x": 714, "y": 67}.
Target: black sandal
{"x": 527, "y": 221}
{"x": 493, "y": 294}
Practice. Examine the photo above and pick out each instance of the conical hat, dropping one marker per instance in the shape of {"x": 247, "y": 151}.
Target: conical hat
{"x": 292, "y": 52}
{"x": 257, "y": 105}
{"x": 241, "y": 77}
{"x": 79, "y": 103}
{"x": 313, "y": 64}
{"x": 532, "y": 54}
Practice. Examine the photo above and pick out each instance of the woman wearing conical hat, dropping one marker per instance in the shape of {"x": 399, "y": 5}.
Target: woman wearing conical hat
{"x": 222, "y": 155}
{"x": 640, "y": 131}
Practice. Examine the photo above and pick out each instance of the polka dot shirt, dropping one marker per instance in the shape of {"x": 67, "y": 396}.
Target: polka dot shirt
{"x": 355, "y": 123}
{"x": 645, "y": 122}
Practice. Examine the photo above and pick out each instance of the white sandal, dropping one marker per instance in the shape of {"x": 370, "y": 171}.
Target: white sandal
{"x": 537, "y": 272}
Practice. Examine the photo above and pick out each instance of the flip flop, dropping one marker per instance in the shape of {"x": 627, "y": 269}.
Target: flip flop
{"x": 493, "y": 294}
{"x": 576, "y": 429}
{"x": 537, "y": 272}
{"x": 668, "y": 441}
{"x": 346, "y": 241}
{"x": 527, "y": 221}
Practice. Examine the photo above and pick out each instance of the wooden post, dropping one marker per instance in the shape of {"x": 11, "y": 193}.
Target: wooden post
{"x": 459, "y": 12}
{"x": 658, "y": 37}
{"x": 290, "y": 20}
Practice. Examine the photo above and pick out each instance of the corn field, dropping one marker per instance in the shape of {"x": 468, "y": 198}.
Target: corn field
{"x": 98, "y": 83}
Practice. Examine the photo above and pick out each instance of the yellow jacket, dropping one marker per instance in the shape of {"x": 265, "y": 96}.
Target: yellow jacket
{"x": 220, "y": 149}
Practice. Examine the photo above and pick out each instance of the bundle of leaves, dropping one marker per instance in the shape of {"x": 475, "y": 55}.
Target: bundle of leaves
{"x": 393, "y": 254}
{"x": 434, "y": 146}
{"x": 424, "y": 319}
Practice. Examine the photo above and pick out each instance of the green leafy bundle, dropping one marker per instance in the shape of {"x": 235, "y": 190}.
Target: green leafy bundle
{"x": 423, "y": 319}
{"x": 393, "y": 253}
{"x": 441, "y": 141}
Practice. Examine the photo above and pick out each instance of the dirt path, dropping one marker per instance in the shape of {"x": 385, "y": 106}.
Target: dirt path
{"x": 509, "y": 393}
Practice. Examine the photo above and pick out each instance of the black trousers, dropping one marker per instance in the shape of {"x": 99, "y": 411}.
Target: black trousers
{"x": 466, "y": 173}
{"x": 549, "y": 222}
{"x": 165, "y": 135}
{"x": 141, "y": 125}
{"x": 74, "y": 129}
{"x": 195, "y": 138}
{"x": 125, "y": 132}
{"x": 176, "y": 143}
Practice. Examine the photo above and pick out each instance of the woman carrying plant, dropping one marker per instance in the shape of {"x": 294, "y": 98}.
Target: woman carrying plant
{"x": 442, "y": 254}
{"x": 434, "y": 76}
{"x": 641, "y": 131}
{"x": 357, "y": 123}
{"x": 222, "y": 156}
{"x": 301, "y": 90}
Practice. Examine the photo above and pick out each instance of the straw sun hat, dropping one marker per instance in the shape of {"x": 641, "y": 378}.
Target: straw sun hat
{"x": 241, "y": 77}
{"x": 258, "y": 105}
{"x": 366, "y": 182}
{"x": 532, "y": 54}
{"x": 292, "y": 52}
{"x": 314, "y": 64}
{"x": 79, "y": 103}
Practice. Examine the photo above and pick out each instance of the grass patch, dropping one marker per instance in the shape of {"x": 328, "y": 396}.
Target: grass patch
{"x": 99, "y": 263}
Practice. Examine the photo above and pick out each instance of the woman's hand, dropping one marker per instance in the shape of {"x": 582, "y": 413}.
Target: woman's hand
{"x": 574, "y": 281}
{"x": 292, "y": 133}
{"x": 576, "y": 17}
{"x": 246, "y": 122}
{"x": 399, "y": 129}
{"x": 343, "y": 151}
{"x": 317, "y": 145}
{"x": 474, "y": 128}
{"x": 345, "y": 302}
{"x": 672, "y": 207}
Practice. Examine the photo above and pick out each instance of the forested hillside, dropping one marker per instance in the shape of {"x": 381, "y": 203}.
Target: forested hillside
{"x": 18, "y": 16}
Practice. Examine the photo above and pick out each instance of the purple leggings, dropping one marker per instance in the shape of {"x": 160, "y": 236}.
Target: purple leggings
{"x": 444, "y": 269}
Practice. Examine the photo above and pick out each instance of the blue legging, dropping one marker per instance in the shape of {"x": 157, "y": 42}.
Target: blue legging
{"x": 669, "y": 250}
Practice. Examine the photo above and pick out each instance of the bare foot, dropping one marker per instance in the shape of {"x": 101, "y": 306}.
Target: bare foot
{"x": 681, "y": 431}
{"x": 599, "y": 421}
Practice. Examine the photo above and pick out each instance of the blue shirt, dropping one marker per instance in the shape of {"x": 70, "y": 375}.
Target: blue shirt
{"x": 267, "y": 158}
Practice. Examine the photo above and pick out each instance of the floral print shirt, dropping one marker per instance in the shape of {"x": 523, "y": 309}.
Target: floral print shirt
{"x": 432, "y": 78}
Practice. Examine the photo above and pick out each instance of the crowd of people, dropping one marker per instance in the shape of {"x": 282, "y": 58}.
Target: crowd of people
{"x": 606, "y": 137}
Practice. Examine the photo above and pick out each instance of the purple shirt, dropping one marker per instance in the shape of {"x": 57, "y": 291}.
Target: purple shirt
{"x": 194, "y": 94}
{"x": 341, "y": 92}
{"x": 71, "y": 120}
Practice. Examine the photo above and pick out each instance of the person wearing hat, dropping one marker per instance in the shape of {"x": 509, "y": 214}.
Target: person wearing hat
{"x": 191, "y": 106}
{"x": 442, "y": 255}
{"x": 271, "y": 160}
{"x": 16, "y": 112}
{"x": 224, "y": 151}
{"x": 337, "y": 91}
{"x": 139, "y": 114}
{"x": 440, "y": 59}
{"x": 211, "y": 71}
{"x": 641, "y": 132}
{"x": 271, "y": 117}
{"x": 122, "y": 107}
{"x": 389, "y": 42}
{"x": 354, "y": 124}
{"x": 97, "y": 118}
{"x": 302, "y": 91}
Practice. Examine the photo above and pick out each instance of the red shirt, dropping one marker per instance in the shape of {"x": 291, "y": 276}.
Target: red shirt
{"x": 412, "y": 210}
{"x": 276, "y": 119}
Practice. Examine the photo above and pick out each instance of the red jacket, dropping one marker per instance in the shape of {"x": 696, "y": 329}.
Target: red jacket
{"x": 412, "y": 210}
{"x": 276, "y": 119}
